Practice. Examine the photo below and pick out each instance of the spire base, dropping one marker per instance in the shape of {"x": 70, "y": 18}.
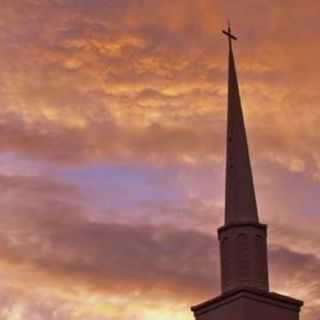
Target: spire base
{"x": 243, "y": 256}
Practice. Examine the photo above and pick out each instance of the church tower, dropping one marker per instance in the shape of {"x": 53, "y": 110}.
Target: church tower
{"x": 243, "y": 239}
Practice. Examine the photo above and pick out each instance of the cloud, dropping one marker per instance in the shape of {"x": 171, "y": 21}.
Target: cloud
{"x": 145, "y": 82}
{"x": 298, "y": 273}
{"x": 70, "y": 252}
{"x": 67, "y": 249}
{"x": 153, "y": 86}
{"x": 48, "y": 233}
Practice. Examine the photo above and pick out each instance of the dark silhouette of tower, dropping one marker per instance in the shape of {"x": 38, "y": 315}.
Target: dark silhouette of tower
{"x": 243, "y": 239}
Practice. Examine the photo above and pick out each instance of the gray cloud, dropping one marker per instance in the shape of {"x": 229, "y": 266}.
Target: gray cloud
{"x": 56, "y": 241}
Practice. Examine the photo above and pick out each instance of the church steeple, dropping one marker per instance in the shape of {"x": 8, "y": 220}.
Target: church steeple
{"x": 240, "y": 201}
{"x": 243, "y": 240}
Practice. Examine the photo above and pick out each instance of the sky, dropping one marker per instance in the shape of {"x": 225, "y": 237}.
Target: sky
{"x": 112, "y": 152}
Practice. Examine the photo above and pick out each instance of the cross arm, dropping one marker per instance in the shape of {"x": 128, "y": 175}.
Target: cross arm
{"x": 228, "y": 34}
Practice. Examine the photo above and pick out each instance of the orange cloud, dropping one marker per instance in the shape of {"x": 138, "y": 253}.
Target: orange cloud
{"x": 125, "y": 81}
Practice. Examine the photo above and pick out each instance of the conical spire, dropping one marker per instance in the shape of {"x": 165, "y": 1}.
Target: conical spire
{"x": 240, "y": 205}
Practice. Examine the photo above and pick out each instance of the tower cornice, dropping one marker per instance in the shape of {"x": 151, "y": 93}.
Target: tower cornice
{"x": 242, "y": 224}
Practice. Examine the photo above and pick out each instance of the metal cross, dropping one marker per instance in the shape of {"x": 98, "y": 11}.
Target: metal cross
{"x": 229, "y": 35}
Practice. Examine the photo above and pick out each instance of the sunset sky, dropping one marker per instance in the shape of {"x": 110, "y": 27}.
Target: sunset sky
{"x": 112, "y": 152}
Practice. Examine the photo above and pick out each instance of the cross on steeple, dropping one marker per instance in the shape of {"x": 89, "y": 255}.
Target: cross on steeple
{"x": 229, "y": 35}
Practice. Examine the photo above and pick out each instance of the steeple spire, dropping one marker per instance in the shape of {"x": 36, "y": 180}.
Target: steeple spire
{"x": 243, "y": 240}
{"x": 240, "y": 205}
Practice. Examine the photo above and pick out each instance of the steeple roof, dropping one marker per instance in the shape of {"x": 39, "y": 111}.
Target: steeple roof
{"x": 240, "y": 200}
